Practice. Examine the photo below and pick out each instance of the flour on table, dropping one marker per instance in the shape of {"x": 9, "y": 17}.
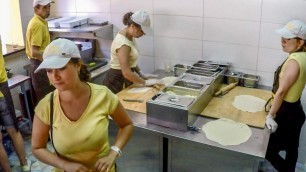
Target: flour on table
{"x": 139, "y": 89}
{"x": 227, "y": 132}
{"x": 249, "y": 103}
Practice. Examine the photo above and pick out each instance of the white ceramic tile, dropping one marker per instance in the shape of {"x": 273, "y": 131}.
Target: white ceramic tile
{"x": 238, "y": 55}
{"x": 60, "y": 6}
{"x": 146, "y": 64}
{"x": 26, "y": 8}
{"x": 93, "y": 6}
{"x": 96, "y": 17}
{"x": 183, "y": 8}
{"x": 145, "y": 45}
{"x": 178, "y": 26}
{"x": 282, "y": 11}
{"x": 177, "y": 48}
{"x": 161, "y": 62}
{"x": 123, "y": 6}
{"x": 265, "y": 78}
{"x": 238, "y": 9}
{"x": 268, "y": 37}
{"x": 231, "y": 31}
{"x": 116, "y": 20}
{"x": 270, "y": 59}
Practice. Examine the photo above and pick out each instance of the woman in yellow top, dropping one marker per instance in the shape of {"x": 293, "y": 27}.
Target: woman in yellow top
{"x": 286, "y": 116}
{"x": 81, "y": 113}
{"x": 124, "y": 70}
{"x": 9, "y": 121}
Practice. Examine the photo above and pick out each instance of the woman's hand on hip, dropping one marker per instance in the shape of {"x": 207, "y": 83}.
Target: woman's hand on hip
{"x": 75, "y": 167}
{"x": 106, "y": 163}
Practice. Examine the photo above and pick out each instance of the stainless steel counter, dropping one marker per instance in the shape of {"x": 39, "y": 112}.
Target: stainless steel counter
{"x": 191, "y": 151}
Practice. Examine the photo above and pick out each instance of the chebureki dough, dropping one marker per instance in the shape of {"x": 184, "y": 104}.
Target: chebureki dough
{"x": 227, "y": 132}
{"x": 139, "y": 89}
{"x": 249, "y": 103}
{"x": 168, "y": 80}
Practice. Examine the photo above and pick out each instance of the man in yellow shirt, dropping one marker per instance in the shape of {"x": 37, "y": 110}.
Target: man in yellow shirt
{"x": 8, "y": 120}
{"x": 37, "y": 38}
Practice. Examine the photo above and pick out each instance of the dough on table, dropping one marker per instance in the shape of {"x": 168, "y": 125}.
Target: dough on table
{"x": 249, "y": 103}
{"x": 139, "y": 89}
{"x": 227, "y": 132}
{"x": 168, "y": 80}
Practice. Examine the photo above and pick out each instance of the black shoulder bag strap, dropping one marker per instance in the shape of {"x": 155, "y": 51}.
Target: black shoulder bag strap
{"x": 51, "y": 122}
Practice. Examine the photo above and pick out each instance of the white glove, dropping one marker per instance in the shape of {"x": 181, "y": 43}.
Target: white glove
{"x": 271, "y": 124}
{"x": 147, "y": 75}
{"x": 151, "y": 82}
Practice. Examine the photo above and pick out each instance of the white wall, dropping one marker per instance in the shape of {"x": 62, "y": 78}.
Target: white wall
{"x": 236, "y": 31}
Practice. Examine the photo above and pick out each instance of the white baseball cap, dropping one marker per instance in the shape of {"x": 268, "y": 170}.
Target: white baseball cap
{"x": 143, "y": 19}
{"x": 58, "y": 53}
{"x": 41, "y": 2}
{"x": 293, "y": 29}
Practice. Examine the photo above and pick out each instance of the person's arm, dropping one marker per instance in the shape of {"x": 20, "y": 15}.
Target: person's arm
{"x": 40, "y": 133}
{"x": 290, "y": 75}
{"x": 125, "y": 125}
{"x": 36, "y": 53}
{"x": 123, "y": 57}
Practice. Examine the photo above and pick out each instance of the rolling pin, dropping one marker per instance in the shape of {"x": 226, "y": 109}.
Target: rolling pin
{"x": 226, "y": 88}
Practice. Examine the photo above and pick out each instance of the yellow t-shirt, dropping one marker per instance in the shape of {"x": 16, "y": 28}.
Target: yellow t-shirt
{"x": 295, "y": 91}
{"x": 85, "y": 140}
{"x": 37, "y": 34}
{"x": 3, "y": 76}
{"x": 118, "y": 42}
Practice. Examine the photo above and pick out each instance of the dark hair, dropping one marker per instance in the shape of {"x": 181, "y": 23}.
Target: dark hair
{"x": 84, "y": 74}
{"x": 303, "y": 48}
{"x": 127, "y": 21}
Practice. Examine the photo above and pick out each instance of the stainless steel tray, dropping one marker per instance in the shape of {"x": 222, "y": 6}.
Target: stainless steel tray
{"x": 190, "y": 85}
{"x": 175, "y": 100}
{"x": 196, "y": 78}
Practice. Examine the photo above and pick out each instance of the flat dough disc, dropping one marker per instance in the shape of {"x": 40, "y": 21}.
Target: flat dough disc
{"x": 169, "y": 80}
{"x": 227, "y": 132}
{"x": 249, "y": 103}
{"x": 139, "y": 89}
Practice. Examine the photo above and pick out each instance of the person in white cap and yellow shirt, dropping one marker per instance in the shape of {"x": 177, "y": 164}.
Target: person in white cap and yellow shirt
{"x": 9, "y": 121}
{"x": 286, "y": 116}
{"x": 80, "y": 110}
{"x": 124, "y": 70}
{"x": 37, "y": 39}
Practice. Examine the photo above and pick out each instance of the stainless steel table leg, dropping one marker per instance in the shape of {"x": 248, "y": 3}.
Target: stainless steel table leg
{"x": 26, "y": 104}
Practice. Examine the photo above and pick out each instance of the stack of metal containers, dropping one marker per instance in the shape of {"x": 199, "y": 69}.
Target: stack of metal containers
{"x": 178, "y": 104}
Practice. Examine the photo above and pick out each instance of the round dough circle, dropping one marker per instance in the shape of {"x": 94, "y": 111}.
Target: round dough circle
{"x": 227, "y": 132}
{"x": 249, "y": 103}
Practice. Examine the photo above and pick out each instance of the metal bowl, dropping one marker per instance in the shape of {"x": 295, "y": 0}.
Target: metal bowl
{"x": 179, "y": 69}
{"x": 250, "y": 80}
{"x": 233, "y": 77}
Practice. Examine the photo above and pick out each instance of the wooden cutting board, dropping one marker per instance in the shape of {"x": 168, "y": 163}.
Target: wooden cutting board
{"x": 221, "y": 107}
{"x": 136, "y": 106}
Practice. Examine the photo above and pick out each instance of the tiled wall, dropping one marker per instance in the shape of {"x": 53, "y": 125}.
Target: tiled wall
{"x": 236, "y": 31}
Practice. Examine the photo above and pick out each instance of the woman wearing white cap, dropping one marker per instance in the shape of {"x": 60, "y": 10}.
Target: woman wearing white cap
{"x": 76, "y": 114}
{"x": 286, "y": 116}
{"x": 124, "y": 54}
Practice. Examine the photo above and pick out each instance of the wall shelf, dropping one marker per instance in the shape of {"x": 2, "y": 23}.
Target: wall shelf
{"x": 104, "y": 32}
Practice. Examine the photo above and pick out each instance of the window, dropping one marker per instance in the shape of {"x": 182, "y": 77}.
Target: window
{"x": 11, "y": 28}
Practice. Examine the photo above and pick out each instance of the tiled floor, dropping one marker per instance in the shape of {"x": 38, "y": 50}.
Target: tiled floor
{"x": 37, "y": 166}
